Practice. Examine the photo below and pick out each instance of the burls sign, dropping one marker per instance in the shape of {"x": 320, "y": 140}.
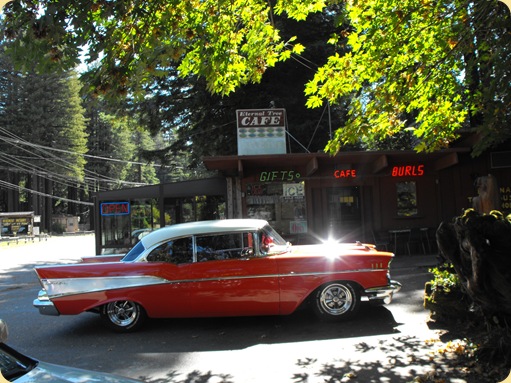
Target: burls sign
{"x": 261, "y": 131}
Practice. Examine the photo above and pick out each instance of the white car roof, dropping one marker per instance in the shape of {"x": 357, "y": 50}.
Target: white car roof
{"x": 201, "y": 227}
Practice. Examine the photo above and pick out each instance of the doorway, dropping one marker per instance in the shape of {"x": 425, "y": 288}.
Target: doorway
{"x": 337, "y": 213}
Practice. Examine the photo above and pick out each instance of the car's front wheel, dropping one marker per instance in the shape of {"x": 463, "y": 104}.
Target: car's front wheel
{"x": 123, "y": 316}
{"x": 336, "y": 301}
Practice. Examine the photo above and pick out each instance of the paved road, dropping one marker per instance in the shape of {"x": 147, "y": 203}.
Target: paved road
{"x": 384, "y": 344}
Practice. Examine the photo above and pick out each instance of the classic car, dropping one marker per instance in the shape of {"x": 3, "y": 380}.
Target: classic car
{"x": 19, "y": 368}
{"x": 232, "y": 267}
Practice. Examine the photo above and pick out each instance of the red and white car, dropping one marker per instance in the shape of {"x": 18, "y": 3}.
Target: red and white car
{"x": 234, "y": 267}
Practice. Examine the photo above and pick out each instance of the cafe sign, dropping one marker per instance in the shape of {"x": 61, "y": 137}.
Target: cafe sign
{"x": 345, "y": 173}
{"x": 261, "y": 131}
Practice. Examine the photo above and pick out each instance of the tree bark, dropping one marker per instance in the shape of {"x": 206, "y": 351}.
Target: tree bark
{"x": 479, "y": 248}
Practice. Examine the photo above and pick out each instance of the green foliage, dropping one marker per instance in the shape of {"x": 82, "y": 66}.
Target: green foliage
{"x": 70, "y": 122}
{"x": 402, "y": 73}
{"x": 43, "y": 110}
{"x": 433, "y": 68}
{"x": 190, "y": 116}
{"x": 229, "y": 43}
{"x": 121, "y": 139}
{"x": 58, "y": 228}
{"x": 445, "y": 297}
{"x": 299, "y": 10}
{"x": 444, "y": 279}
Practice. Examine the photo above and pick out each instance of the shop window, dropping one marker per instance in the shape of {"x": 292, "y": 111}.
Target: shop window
{"x": 115, "y": 231}
{"x": 406, "y": 199}
{"x": 201, "y": 208}
{"x": 210, "y": 207}
{"x": 281, "y": 203}
{"x": 123, "y": 223}
{"x": 144, "y": 215}
{"x": 169, "y": 213}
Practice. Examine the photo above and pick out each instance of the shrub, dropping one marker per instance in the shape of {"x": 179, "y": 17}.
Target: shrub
{"x": 57, "y": 228}
{"x": 444, "y": 296}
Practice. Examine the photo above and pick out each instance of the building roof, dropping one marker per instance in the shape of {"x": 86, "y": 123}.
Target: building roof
{"x": 189, "y": 188}
{"x": 17, "y": 214}
{"x": 376, "y": 160}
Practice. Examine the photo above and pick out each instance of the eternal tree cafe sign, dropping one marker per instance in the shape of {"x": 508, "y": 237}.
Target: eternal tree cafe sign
{"x": 115, "y": 208}
{"x": 261, "y": 131}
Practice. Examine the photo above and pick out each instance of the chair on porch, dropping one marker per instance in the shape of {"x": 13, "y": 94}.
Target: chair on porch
{"x": 380, "y": 241}
{"x": 428, "y": 236}
{"x": 415, "y": 242}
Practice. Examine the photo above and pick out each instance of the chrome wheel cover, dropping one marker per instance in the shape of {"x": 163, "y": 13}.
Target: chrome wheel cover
{"x": 336, "y": 299}
{"x": 122, "y": 313}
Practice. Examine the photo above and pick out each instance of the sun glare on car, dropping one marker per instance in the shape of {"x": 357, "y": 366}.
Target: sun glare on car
{"x": 331, "y": 246}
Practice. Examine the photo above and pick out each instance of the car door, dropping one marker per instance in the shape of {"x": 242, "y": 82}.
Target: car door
{"x": 230, "y": 278}
{"x": 170, "y": 262}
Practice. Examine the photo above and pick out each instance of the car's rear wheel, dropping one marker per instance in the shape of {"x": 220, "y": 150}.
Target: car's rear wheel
{"x": 123, "y": 316}
{"x": 336, "y": 301}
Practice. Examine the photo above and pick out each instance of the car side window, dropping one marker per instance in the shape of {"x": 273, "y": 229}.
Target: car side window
{"x": 224, "y": 246}
{"x": 176, "y": 251}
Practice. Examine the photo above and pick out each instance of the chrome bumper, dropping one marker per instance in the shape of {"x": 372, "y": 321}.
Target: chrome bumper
{"x": 44, "y": 305}
{"x": 384, "y": 293}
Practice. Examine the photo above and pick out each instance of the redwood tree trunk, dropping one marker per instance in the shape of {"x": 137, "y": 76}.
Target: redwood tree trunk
{"x": 479, "y": 247}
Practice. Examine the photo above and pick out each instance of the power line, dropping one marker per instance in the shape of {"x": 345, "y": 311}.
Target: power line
{"x": 17, "y": 141}
{"x": 21, "y": 188}
{"x": 57, "y": 161}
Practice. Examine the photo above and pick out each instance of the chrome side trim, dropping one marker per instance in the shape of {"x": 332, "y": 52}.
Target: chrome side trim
{"x": 293, "y": 274}
{"x": 60, "y": 287}
{"x": 71, "y": 286}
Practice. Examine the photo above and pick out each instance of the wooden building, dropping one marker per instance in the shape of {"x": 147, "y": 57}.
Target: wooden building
{"x": 398, "y": 197}
{"x": 123, "y": 215}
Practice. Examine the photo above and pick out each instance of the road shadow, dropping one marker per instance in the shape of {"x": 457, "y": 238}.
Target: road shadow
{"x": 217, "y": 334}
{"x": 402, "y": 359}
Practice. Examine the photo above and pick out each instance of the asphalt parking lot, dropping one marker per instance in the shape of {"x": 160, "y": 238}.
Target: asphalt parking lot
{"x": 386, "y": 344}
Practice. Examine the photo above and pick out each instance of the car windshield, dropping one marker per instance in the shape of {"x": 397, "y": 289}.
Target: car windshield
{"x": 134, "y": 252}
{"x": 277, "y": 239}
{"x": 13, "y": 364}
{"x": 271, "y": 242}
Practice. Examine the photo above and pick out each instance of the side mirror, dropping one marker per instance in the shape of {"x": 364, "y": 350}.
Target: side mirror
{"x": 3, "y": 331}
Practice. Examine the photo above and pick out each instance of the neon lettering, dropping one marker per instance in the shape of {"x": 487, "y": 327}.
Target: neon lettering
{"x": 408, "y": 171}
{"x": 348, "y": 173}
{"x": 279, "y": 175}
{"x": 115, "y": 208}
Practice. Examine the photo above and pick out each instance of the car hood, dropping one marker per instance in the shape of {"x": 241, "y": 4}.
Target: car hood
{"x": 51, "y": 373}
